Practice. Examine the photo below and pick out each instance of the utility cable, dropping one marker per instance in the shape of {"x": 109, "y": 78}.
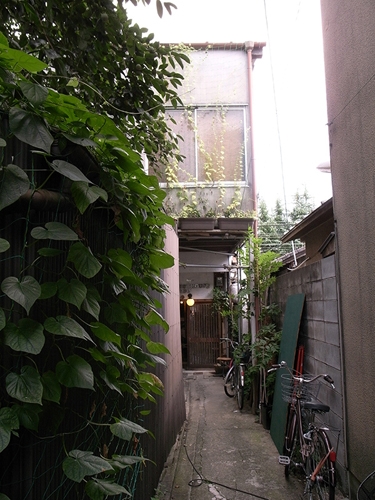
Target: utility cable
{"x": 195, "y": 483}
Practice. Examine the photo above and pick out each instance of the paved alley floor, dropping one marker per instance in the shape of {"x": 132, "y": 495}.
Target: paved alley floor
{"x": 227, "y": 448}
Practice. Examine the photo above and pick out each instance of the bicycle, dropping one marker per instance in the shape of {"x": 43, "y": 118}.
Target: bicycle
{"x": 307, "y": 446}
{"x": 366, "y": 490}
{"x": 234, "y": 382}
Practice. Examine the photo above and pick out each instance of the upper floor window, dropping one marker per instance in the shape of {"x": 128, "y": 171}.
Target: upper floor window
{"x": 213, "y": 145}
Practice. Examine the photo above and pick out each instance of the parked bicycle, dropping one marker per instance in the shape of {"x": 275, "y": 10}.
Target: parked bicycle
{"x": 234, "y": 382}
{"x": 366, "y": 490}
{"x": 307, "y": 446}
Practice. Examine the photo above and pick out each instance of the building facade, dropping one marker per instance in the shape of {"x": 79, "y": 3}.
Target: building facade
{"x": 349, "y": 52}
{"x": 212, "y": 183}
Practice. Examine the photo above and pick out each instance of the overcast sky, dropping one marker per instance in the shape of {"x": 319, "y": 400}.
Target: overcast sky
{"x": 290, "y": 131}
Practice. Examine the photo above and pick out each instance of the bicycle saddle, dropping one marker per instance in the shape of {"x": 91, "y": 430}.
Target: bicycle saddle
{"x": 315, "y": 406}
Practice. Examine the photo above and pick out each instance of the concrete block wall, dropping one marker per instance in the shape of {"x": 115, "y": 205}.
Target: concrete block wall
{"x": 320, "y": 336}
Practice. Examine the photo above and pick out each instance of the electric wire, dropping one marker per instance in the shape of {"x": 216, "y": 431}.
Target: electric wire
{"x": 277, "y": 118}
{"x": 195, "y": 483}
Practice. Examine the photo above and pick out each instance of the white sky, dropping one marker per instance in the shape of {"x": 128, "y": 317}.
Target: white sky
{"x": 290, "y": 116}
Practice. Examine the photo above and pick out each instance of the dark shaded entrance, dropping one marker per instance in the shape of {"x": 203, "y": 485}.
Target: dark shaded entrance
{"x": 203, "y": 331}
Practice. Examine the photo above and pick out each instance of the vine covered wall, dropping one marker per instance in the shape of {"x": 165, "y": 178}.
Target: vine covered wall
{"x": 82, "y": 235}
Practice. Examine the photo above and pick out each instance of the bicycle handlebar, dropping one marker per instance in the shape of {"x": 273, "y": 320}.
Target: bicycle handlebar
{"x": 301, "y": 378}
{"x": 232, "y": 342}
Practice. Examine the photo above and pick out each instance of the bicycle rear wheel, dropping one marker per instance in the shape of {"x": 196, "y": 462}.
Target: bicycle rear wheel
{"x": 230, "y": 383}
{"x": 323, "y": 488}
{"x": 240, "y": 386}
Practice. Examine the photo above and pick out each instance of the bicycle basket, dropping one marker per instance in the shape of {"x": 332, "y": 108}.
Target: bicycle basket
{"x": 245, "y": 356}
{"x": 291, "y": 389}
{"x": 366, "y": 490}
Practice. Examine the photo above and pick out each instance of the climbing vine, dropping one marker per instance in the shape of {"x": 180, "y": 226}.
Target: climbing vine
{"x": 78, "y": 282}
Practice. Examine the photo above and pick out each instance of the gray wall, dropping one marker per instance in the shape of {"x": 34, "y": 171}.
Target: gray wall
{"x": 320, "y": 337}
{"x": 168, "y": 414}
{"x": 349, "y": 51}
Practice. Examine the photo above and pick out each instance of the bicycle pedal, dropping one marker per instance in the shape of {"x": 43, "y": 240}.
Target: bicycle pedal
{"x": 283, "y": 460}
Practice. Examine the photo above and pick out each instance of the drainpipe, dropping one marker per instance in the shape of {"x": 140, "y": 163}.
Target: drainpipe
{"x": 249, "y": 49}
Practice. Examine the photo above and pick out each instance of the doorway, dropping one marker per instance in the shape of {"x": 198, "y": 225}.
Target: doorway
{"x": 203, "y": 329}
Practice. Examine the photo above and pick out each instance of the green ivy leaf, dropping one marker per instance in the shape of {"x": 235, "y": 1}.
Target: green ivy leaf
{"x": 160, "y": 259}
{"x": 73, "y": 82}
{"x": 28, "y": 415}
{"x": 134, "y": 222}
{"x": 84, "y": 195}
{"x": 49, "y": 252}
{"x": 98, "y": 489}
{"x": 98, "y": 355}
{"x": 4, "y": 41}
{"x": 154, "y": 318}
{"x": 4, "y": 245}
{"x": 115, "y": 313}
{"x": 91, "y": 303}
{"x": 8, "y": 422}
{"x": 63, "y": 325}
{"x": 54, "y": 231}
{"x": 51, "y": 387}
{"x": 104, "y": 333}
{"x": 110, "y": 379}
{"x": 70, "y": 171}
{"x": 2, "y": 319}
{"x": 124, "y": 429}
{"x": 24, "y": 292}
{"x": 30, "y": 128}
{"x": 123, "y": 461}
{"x": 120, "y": 262}
{"x": 19, "y": 60}
{"x": 48, "y": 290}
{"x": 73, "y": 292}
{"x": 26, "y": 386}
{"x": 157, "y": 348}
{"x": 81, "y": 141}
{"x": 84, "y": 463}
{"x": 75, "y": 372}
{"x": 27, "y": 336}
{"x": 34, "y": 93}
{"x": 3, "y": 497}
{"x": 83, "y": 260}
{"x": 13, "y": 184}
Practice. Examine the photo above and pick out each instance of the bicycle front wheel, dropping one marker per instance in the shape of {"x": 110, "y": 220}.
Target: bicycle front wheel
{"x": 240, "y": 386}
{"x": 322, "y": 464}
{"x": 292, "y": 446}
{"x": 230, "y": 383}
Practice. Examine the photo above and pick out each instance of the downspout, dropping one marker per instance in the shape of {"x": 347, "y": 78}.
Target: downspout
{"x": 249, "y": 46}
{"x": 254, "y": 320}
{"x": 249, "y": 49}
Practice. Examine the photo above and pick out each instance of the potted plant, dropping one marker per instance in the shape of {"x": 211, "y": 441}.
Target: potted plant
{"x": 191, "y": 217}
{"x": 236, "y": 219}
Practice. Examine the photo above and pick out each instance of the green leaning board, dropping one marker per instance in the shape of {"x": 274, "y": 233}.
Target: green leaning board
{"x": 288, "y": 346}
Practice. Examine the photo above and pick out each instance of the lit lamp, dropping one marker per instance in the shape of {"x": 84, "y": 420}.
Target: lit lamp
{"x": 190, "y": 301}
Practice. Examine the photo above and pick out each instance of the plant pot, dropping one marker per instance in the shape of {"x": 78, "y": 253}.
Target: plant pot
{"x": 201, "y": 223}
{"x": 235, "y": 224}
{"x": 265, "y": 415}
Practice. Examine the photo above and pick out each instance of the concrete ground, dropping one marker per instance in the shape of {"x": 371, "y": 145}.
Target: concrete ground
{"x": 223, "y": 453}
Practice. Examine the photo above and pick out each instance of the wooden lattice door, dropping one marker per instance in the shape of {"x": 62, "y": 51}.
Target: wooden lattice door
{"x": 203, "y": 329}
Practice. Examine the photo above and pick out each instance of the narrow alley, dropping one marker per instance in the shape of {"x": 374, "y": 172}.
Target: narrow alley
{"x": 222, "y": 453}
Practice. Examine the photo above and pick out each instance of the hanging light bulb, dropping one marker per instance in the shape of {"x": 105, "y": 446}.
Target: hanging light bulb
{"x": 190, "y": 301}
